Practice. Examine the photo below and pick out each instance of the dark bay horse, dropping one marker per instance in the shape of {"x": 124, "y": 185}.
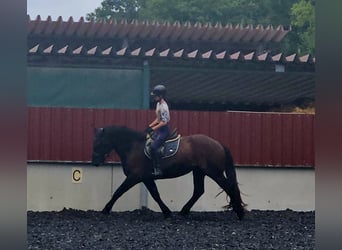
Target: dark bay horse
{"x": 200, "y": 154}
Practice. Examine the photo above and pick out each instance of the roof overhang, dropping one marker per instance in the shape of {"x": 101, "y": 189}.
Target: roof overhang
{"x": 151, "y": 30}
{"x": 202, "y": 65}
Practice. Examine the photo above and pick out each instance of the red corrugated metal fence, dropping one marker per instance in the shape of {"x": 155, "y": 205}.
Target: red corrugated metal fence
{"x": 66, "y": 134}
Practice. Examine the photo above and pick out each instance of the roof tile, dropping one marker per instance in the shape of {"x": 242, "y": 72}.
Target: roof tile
{"x": 249, "y": 56}
{"x": 235, "y": 56}
{"x": 263, "y": 56}
{"x": 136, "y": 52}
{"x": 48, "y": 50}
{"x": 92, "y": 51}
{"x": 164, "y": 53}
{"x": 207, "y": 55}
{"x": 78, "y": 50}
{"x": 107, "y": 51}
{"x": 153, "y": 30}
{"x": 121, "y": 52}
{"x": 179, "y": 53}
{"x": 193, "y": 54}
{"x": 291, "y": 58}
{"x": 150, "y": 52}
{"x": 221, "y": 55}
{"x": 277, "y": 57}
{"x": 95, "y": 35}
{"x": 304, "y": 58}
{"x": 63, "y": 50}
{"x": 34, "y": 49}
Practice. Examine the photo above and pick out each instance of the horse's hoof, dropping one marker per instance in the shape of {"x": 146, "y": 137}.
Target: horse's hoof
{"x": 167, "y": 215}
{"x": 241, "y": 214}
{"x": 184, "y": 213}
{"x": 105, "y": 211}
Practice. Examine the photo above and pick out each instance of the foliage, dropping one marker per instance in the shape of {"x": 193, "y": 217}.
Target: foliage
{"x": 223, "y": 11}
{"x": 303, "y": 22}
{"x": 119, "y": 9}
{"x": 203, "y": 11}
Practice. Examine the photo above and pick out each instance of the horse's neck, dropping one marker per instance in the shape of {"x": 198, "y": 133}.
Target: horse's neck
{"x": 121, "y": 151}
{"x": 123, "y": 143}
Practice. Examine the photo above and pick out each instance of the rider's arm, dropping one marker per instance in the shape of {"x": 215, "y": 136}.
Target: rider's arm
{"x": 154, "y": 123}
{"x": 160, "y": 124}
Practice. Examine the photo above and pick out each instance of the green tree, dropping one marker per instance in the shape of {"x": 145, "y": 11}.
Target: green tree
{"x": 275, "y": 12}
{"x": 193, "y": 11}
{"x": 303, "y": 23}
{"x": 119, "y": 9}
{"x": 224, "y": 11}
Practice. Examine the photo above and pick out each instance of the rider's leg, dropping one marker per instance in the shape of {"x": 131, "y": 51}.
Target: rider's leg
{"x": 159, "y": 139}
{"x": 155, "y": 155}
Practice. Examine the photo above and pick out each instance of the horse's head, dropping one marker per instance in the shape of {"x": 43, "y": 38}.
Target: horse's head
{"x": 118, "y": 138}
{"x": 101, "y": 147}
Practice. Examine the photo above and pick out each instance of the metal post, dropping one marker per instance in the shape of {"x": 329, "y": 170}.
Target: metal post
{"x": 146, "y": 85}
{"x": 145, "y": 105}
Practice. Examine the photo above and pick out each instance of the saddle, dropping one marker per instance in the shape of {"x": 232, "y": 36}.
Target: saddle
{"x": 169, "y": 147}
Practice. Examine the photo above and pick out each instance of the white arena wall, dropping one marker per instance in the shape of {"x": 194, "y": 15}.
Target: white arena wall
{"x": 52, "y": 187}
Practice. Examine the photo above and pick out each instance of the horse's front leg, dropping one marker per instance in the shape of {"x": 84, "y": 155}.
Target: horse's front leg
{"x": 129, "y": 182}
{"x": 152, "y": 188}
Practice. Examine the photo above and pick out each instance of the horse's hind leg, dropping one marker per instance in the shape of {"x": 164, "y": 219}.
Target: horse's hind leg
{"x": 124, "y": 187}
{"x": 152, "y": 188}
{"x": 198, "y": 178}
{"x": 234, "y": 196}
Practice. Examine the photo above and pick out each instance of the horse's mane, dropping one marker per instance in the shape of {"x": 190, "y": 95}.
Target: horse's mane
{"x": 124, "y": 134}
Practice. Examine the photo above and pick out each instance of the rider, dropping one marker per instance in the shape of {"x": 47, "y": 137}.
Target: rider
{"x": 160, "y": 126}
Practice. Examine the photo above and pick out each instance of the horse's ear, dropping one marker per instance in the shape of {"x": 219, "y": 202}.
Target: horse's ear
{"x": 98, "y": 130}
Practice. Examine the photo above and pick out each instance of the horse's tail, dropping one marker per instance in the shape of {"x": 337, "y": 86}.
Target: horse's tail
{"x": 234, "y": 191}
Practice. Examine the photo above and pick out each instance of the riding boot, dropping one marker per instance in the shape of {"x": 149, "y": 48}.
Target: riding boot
{"x": 157, "y": 172}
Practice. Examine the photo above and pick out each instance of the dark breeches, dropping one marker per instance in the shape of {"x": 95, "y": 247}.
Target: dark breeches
{"x": 159, "y": 138}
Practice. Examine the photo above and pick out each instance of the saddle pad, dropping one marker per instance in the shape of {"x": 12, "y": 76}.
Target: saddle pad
{"x": 168, "y": 149}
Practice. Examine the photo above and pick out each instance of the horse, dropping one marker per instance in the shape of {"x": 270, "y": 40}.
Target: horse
{"x": 198, "y": 153}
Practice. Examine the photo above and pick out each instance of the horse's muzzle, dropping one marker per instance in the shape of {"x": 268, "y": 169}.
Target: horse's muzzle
{"x": 98, "y": 159}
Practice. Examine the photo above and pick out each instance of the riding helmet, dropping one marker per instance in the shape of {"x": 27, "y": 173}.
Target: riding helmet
{"x": 159, "y": 90}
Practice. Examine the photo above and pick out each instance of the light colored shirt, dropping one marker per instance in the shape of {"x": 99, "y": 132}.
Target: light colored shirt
{"x": 162, "y": 112}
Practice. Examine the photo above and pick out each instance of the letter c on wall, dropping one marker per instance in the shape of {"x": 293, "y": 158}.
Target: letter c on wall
{"x": 76, "y": 175}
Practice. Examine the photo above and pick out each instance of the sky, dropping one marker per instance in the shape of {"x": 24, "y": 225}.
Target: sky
{"x": 64, "y": 8}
